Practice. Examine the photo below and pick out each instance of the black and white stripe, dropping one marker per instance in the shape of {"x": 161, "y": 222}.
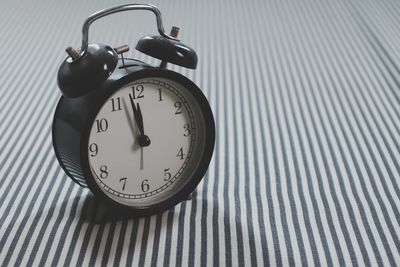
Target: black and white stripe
{"x": 306, "y": 97}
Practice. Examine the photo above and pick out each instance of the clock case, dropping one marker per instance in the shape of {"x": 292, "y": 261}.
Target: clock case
{"x": 74, "y": 117}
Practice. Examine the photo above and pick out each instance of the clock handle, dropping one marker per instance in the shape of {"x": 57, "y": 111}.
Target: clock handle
{"x": 109, "y": 11}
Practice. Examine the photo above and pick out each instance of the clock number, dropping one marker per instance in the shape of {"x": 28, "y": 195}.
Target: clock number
{"x": 145, "y": 185}
{"x": 124, "y": 183}
{"x": 159, "y": 95}
{"x": 178, "y": 106}
{"x": 102, "y": 125}
{"x": 167, "y": 174}
{"x": 187, "y": 130}
{"x": 139, "y": 90}
{"x": 103, "y": 172}
{"x": 94, "y": 149}
{"x": 116, "y": 104}
{"x": 180, "y": 154}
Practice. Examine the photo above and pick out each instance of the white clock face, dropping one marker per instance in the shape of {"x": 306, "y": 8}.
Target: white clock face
{"x": 135, "y": 173}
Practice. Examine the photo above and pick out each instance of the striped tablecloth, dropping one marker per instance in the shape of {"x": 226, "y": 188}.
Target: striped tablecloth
{"x": 306, "y": 169}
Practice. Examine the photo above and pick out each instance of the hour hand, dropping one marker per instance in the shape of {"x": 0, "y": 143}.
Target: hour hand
{"x": 143, "y": 139}
{"x": 136, "y": 115}
{"x": 139, "y": 118}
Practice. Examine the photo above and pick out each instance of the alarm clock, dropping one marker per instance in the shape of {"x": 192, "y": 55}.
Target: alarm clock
{"x": 140, "y": 137}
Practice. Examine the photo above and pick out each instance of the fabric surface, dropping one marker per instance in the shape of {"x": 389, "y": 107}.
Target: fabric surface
{"x": 306, "y": 168}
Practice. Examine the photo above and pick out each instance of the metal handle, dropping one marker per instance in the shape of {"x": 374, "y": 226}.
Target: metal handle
{"x": 109, "y": 11}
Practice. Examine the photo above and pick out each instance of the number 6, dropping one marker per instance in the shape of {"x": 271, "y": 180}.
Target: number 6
{"x": 145, "y": 185}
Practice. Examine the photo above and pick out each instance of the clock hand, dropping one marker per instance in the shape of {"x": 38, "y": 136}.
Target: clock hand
{"x": 136, "y": 115}
{"x": 141, "y": 159}
{"x": 143, "y": 139}
{"x": 140, "y": 117}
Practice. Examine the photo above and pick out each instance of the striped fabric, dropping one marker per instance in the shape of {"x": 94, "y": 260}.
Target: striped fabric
{"x": 306, "y": 169}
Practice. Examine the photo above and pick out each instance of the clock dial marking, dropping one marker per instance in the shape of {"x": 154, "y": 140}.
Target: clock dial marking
{"x": 171, "y": 117}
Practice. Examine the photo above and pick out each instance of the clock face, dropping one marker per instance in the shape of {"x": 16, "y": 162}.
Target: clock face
{"x": 146, "y": 142}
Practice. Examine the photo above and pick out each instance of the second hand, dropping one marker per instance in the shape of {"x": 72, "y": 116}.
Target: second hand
{"x": 141, "y": 158}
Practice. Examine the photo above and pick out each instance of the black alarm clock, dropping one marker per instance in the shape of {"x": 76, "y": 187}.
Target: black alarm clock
{"x": 140, "y": 137}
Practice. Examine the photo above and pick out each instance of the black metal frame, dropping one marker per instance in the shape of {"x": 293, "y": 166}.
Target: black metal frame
{"x": 73, "y": 120}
